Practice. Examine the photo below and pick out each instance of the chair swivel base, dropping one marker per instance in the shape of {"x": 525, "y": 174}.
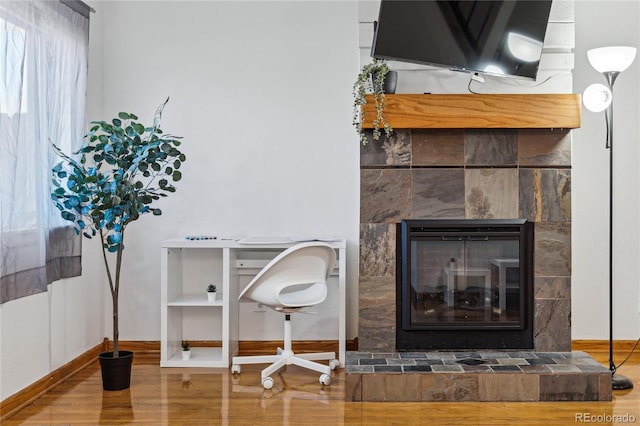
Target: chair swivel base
{"x": 287, "y": 357}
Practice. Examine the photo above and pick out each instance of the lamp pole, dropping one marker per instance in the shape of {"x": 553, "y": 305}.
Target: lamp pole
{"x": 618, "y": 382}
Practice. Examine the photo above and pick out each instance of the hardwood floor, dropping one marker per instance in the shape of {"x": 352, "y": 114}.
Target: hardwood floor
{"x": 208, "y": 396}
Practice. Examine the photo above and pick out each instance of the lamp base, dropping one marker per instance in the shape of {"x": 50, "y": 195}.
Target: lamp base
{"x": 619, "y": 382}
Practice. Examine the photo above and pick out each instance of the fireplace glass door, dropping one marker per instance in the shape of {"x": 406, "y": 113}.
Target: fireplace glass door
{"x": 465, "y": 284}
{"x": 465, "y": 280}
{"x": 465, "y": 275}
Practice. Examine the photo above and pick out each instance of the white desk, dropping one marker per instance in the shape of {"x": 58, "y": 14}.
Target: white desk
{"x": 452, "y": 273}
{"x": 187, "y": 265}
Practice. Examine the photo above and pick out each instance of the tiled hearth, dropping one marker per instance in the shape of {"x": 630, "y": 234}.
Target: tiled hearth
{"x": 476, "y": 376}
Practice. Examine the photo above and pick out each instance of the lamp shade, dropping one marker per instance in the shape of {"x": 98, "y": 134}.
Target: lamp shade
{"x": 597, "y": 97}
{"x": 612, "y": 58}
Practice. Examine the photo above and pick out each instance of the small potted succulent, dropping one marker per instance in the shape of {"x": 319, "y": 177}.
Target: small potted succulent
{"x": 375, "y": 79}
{"x": 186, "y": 350}
{"x": 211, "y": 292}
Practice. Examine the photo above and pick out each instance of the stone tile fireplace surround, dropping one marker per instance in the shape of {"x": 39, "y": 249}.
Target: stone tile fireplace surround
{"x": 471, "y": 157}
{"x": 466, "y": 174}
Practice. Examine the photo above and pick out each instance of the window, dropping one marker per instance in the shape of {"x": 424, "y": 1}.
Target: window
{"x": 43, "y": 80}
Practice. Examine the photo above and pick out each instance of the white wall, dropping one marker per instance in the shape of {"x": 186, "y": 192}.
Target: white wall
{"x": 606, "y": 23}
{"x": 261, "y": 92}
{"x": 41, "y": 333}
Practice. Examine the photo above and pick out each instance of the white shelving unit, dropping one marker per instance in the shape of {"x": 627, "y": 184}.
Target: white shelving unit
{"x": 188, "y": 266}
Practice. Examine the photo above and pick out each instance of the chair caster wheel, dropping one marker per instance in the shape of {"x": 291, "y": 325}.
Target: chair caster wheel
{"x": 235, "y": 369}
{"x": 325, "y": 379}
{"x": 267, "y": 382}
{"x": 333, "y": 364}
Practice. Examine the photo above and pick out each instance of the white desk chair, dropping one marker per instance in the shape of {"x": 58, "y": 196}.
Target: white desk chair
{"x": 293, "y": 280}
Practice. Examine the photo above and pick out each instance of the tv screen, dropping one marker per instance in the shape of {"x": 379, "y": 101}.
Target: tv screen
{"x": 492, "y": 37}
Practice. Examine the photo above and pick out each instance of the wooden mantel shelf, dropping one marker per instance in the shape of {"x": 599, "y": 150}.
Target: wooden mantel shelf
{"x": 462, "y": 111}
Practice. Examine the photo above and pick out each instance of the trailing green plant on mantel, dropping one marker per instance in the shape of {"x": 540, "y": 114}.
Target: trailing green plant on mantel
{"x": 123, "y": 168}
{"x": 371, "y": 81}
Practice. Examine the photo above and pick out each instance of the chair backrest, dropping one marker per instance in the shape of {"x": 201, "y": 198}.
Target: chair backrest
{"x": 296, "y": 278}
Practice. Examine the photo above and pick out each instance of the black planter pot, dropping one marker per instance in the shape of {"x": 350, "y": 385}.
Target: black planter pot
{"x": 116, "y": 372}
{"x": 390, "y": 82}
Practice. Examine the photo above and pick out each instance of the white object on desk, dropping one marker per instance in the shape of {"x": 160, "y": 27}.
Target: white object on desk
{"x": 184, "y": 301}
{"x": 265, "y": 240}
{"x": 285, "y": 240}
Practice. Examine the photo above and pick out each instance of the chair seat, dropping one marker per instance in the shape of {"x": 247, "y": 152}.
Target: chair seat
{"x": 304, "y": 296}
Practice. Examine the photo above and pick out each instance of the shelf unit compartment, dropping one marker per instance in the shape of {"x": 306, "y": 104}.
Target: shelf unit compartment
{"x": 199, "y": 323}
{"x": 186, "y": 312}
{"x": 200, "y": 357}
{"x": 199, "y": 267}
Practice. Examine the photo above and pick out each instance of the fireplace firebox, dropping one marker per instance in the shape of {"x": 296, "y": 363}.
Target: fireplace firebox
{"x": 465, "y": 284}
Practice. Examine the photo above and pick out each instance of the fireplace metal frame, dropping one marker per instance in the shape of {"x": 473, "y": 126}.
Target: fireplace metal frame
{"x": 456, "y": 336}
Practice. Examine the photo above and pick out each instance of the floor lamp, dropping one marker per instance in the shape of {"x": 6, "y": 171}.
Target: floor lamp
{"x": 610, "y": 61}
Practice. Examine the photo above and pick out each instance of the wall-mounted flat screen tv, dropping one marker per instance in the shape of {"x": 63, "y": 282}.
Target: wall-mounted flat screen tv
{"x": 492, "y": 37}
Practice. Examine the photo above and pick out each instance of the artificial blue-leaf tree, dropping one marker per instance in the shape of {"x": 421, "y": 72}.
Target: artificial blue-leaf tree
{"x": 123, "y": 167}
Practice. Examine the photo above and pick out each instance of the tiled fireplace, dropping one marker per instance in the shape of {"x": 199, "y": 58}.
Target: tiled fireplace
{"x": 484, "y": 175}
{"x": 457, "y": 158}
{"x": 466, "y": 174}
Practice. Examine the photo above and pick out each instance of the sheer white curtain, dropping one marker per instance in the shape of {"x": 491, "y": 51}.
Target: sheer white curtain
{"x": 43, "y": 73}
